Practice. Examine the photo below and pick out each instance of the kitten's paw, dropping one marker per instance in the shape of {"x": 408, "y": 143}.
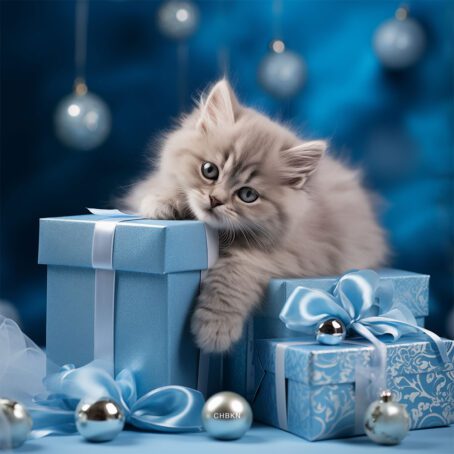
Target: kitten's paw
{"x": 215, "y": 332}
{"x": 158, "y": 208}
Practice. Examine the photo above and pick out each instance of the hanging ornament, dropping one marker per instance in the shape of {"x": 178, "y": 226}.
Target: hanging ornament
{"x": 400, "y": 42}
{"x": 386, "y": 422}
{"x": 82, "y": 119}
{"x": 99, "y": 421}
{"x": 226, "y": 416}
{"x": 330, "y": 332}
{"x": 282, "y": 73}
{"x": 15, "y": 424}
{"x": 178, "y": 19}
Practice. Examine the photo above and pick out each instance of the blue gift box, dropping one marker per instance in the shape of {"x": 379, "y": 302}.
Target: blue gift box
{"x": 320, "y": 384}
{"x": 410, "y": 289}
{"x": 157, "y": 276}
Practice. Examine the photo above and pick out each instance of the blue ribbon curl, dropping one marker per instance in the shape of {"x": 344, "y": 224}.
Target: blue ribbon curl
{"x": 164, "y": 409}
{"x": 364, "y": 303}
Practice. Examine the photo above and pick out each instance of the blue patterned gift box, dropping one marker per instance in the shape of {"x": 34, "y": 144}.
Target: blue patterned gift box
{"x": 410, "y": 289}
{"x": 157, "y": 268}
{"x": 321, "y": 380}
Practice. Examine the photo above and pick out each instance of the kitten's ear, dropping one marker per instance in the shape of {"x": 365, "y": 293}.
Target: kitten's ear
{"x": 219, "y": 108}
{"x": 301, "y": 161}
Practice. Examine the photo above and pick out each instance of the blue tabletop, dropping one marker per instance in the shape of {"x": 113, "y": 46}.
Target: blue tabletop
{"x": 260, "y": 438}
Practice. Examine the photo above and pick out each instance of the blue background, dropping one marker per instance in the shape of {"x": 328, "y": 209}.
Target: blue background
{"x": 397, "y": 126}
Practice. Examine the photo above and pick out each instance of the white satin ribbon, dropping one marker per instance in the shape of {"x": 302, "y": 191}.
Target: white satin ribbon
{"x": 212, "y": 237}
{"x": 104, "y": 303}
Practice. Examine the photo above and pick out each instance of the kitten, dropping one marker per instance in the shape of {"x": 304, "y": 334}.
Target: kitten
{"x": 283, "y": 207}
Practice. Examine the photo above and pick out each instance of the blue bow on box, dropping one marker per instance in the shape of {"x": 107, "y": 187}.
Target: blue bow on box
{"x": 165, "y": 409}
{"x": 362, "y": 302}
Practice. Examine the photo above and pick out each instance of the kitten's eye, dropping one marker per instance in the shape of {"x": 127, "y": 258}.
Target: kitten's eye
{"x": 247, "y": 194}
{"x": 210, "y": 171}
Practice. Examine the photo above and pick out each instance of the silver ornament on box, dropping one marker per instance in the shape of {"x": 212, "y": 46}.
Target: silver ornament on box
{"x": 386, "y": 422}
{"x": 100, "y": 420}
{"x": 226, "y": 416}
{"x": 400, "y": 42}
{"x": 282, "y": 73}
{"x": 178, "y": 19}
{"x": 15, "y": 424}
{"x": 82, "y": 120}
{"x": 330, "y": 332}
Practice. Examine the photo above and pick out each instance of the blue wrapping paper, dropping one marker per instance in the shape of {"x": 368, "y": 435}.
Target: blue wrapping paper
{"x": 321, "y": 384}
{"x": 144, "y": 245}
{"x": 157, "y": 266}
{"x": 410, "y": 289}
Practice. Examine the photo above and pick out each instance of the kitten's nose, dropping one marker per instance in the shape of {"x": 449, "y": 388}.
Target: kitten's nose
{"x": 214, "y": 202}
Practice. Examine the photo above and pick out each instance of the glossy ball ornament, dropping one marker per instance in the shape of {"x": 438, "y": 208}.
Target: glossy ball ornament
{"x": 399, "y": 43}
{"x": 82, "y": 121}
{"x": 386, "y": 422}
{"x": 178, "y": 19}
{"x": 15, "y": 424}
{"x": 282, "y": 73}
{"x": 330, "y": 332}
{"x": 226, "y": 416}
{"x": 99, "y": 421}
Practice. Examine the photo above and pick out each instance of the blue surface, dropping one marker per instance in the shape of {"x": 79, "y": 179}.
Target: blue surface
{"x": 260, "y": 439}
{"x": 397, "y": 126}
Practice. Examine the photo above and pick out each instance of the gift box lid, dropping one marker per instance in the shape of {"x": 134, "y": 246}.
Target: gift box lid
{"x": 314, "y": 364}
{"x": 410, "y": 289}
{"x": 148, "y": 246}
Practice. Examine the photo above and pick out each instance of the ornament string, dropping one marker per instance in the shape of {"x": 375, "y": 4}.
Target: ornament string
{"x": 80, "y": 45}
{"x": 182, "y": 56}
{"x": 277, "y": 19}
{"x": 223, "y": 52}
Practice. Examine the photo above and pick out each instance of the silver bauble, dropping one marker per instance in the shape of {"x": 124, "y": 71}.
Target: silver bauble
{"x": 15, "y": 424}
{"x": 178, "y": 19}
{"x": 82, "y": 121}
{"x": 226, "y": 416}
{"x": 100, "y": 420}
{"x": 282, "y": 73}
{"x": 330, "y": 332}
{"x": 399, "y": 43}
{"x": 386, "y": 422}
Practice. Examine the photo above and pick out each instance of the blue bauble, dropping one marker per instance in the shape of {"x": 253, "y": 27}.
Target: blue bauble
{"x": 100, "y": 420}
{"x": 178, "y": 19}
{"x": 226, "y": 416}
{"x": 282, "y": 74}
{"x": 330, "y": 332}
{"x": 399, "y": 43}
{"x": 15, "y": 424}
{"x": 82, "y": 121}
{"x": 386, "y": 422}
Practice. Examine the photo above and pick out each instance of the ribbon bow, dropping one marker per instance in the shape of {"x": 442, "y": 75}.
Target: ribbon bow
{"x": 363, "y": 303}
{"x": 165, "y": 409}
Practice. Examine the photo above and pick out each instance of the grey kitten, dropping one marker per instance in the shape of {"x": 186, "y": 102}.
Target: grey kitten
{"x": 283, "y": 207}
